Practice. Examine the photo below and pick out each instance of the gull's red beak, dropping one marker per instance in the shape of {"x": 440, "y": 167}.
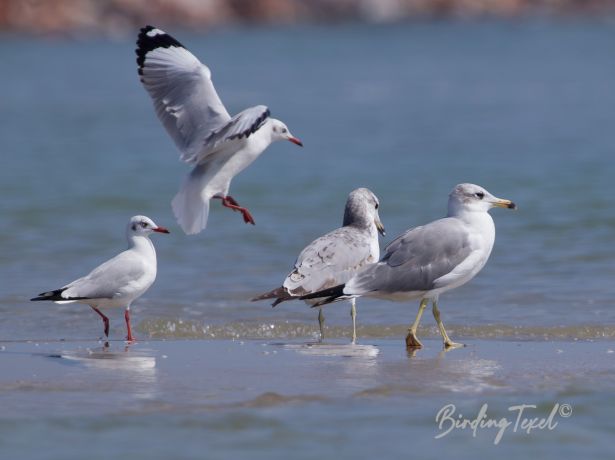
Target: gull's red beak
{"x": 161, "y": 230}
{"x": 294, "y": 140}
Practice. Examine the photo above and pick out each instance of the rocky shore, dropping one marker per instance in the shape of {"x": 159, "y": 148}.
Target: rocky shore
{"x": 119, "y": 17}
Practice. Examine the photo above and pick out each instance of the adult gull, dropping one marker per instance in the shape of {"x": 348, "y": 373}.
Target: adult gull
{"x": 119, "y": 281}
{"x": 335, "y": 257}
{"x": 217, "y": 145}
{"x": 429, "y": 260}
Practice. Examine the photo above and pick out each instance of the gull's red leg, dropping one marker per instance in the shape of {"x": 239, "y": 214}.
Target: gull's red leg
{"x": 105, "y": 320}
{"x": 230, "y": 202}
{"x": 130, "y": 338}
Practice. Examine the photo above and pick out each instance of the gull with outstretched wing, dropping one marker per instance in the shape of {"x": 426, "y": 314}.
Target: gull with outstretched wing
{"x": 217, "y": 145}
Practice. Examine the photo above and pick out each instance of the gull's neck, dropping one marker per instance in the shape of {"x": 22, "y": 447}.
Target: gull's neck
{"x": 266, "y": 130}
{"x": 142, "y": 244}
{"x": 260, "y": 140}
{"x": 469, "y": 216}
{"x": 480, "y": 221}
{"x": 358, "y": 220}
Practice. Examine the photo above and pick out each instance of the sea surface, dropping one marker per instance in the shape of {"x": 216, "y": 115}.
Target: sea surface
{"x": 524, "y": 108}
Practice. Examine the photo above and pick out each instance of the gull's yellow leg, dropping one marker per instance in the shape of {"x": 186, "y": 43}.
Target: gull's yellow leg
{"x": 321, "y": 324}
{"x": 448, "y": 343}
{"x": 353, "y": 315}
{"x": 411, "y": 339}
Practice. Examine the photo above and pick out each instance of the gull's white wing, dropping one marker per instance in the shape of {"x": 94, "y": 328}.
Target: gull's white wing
{"x": 330, "y": 260}
{"x": 184, "y": 96}
{"x": 241, "y": 126}
{"x": 115, "y": 277}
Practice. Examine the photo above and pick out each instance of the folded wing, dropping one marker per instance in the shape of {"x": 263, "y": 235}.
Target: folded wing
{"x": 113, "y": 278}
{"x": 330, "y": 260}
{"x": 416, "y": 260}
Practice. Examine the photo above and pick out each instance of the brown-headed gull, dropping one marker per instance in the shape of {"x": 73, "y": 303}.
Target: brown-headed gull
{"x": 119, "y": 281}
{"x": 335, "y": 257}
{"x": 426, "y": 261}
{"x": 217, "y": 145}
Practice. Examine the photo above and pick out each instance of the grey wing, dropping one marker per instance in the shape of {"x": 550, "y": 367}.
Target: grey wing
{"x": 106, "y": 280}
{"x": 240, "y": 126}
{"x": 180, "y": 86}
{"x": 416, "y": 259}
{"x": 330, "y": 260}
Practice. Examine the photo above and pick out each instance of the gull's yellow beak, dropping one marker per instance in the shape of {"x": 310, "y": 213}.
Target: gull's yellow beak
{"x": 504, "y": 204}
{"x": 380, "y": 227}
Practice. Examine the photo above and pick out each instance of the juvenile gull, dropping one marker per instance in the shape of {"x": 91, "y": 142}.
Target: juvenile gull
{"x": 335, "y": 257}
{"x": 119, "y": 281}
{"x": 426, "y": 261}
{"x": 217, "y": 145}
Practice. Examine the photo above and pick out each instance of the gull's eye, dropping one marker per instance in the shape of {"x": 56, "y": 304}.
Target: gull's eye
{"x": 377, "y": 205}
{"x": 143, "y": 224}
{"x": 284, "y": 130}
{"x": 479, "y": 195}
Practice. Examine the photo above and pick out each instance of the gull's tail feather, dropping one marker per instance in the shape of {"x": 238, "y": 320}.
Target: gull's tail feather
{"x": 190, "y": 207}
{"x": 333, "y": 294}
{"x": 279, "y": 294}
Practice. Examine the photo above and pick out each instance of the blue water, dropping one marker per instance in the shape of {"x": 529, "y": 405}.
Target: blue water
{"x": 523, "y": 108}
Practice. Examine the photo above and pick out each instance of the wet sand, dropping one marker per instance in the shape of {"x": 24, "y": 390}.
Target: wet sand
{"x": 194, "y": 375}
{"x": 43, "y": 378}
{"x": 231, "y": 388}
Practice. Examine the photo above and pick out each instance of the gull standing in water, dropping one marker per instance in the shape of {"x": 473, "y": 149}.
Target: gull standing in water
{"x": 119, "y": 281}
{"x": 427, "y": 261}
{"x": 335, "y": 257}
{"x": 217, "y": 145}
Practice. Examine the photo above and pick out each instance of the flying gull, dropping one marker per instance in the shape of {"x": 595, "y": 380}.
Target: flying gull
{"x": 217, "y": 145}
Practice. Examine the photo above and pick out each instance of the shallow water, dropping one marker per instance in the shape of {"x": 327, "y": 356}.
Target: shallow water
{"x": 524, "y": 109}
{"x": 265, "y": 399}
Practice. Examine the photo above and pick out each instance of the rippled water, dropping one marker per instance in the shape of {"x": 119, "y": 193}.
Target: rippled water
{"x": 525, "y": 109}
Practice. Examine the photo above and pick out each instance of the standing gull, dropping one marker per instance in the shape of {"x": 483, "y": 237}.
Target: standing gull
{"x": 217, "y": 145}
{"x": 335, "y": 257}
{"x": 119, "y": 281}
{"x": 426, "y": 261}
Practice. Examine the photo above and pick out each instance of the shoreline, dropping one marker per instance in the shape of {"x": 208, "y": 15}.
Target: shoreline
{"x": 119, "y": 19}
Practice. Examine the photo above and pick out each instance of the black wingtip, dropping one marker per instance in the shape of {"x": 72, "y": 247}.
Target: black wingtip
{"x": 279, "y": 294}
{"x": 278, "y": 301}
{"x": 55, "y": 296}
{"x": 325, "y": 301}
{"x": 330, "y": 295}
{"x": 49, "y": 295}
{"x": 147, "y": 43}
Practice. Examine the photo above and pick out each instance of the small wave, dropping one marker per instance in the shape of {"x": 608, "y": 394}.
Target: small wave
{"x": 191, "y": 329}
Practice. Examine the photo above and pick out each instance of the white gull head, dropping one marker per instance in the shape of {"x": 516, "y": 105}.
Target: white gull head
{"x": 280, "y": 132}
{"x": 143, "y": 226}
{"x": 474, "y": 198}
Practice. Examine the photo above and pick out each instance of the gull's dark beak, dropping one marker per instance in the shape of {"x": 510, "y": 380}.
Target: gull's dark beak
{"x": 294, "y": 140}
{"x": 504, "y": 204}
{"x": 380, "y": 228}
{"x": 161, "y": 230}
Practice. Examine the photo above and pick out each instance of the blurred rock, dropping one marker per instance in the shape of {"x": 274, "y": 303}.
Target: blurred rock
{"x": 121, "y": 17}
